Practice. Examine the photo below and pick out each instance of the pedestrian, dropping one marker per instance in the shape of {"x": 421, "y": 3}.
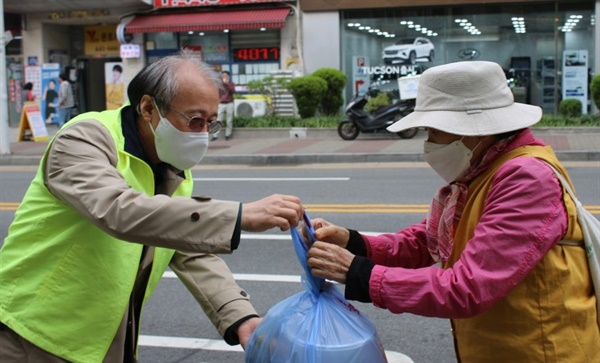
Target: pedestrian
{"x": 65, "y": 99}
{"x": 226, "y": 105}
{"x": 109, "y": 209}
{"x": 500, "y": 252}
{"x": 27, "y": 94}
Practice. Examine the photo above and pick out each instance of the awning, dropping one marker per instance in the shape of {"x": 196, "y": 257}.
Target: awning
{"x": 206, "y": 21}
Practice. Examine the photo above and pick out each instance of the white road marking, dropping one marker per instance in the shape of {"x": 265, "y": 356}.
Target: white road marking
{"x": 272, "y": 179}
{"x": 220, "y": 345}
{"x": 250, "y": 277}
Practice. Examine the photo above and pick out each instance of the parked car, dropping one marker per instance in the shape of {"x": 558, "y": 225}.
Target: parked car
{"x": 408, "y": 50}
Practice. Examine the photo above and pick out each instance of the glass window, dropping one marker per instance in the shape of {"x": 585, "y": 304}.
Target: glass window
{"x": 527, "y": 40}
{"x": 213, "y": 45}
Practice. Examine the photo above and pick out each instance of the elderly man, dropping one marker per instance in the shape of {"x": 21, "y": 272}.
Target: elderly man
{"x": 512, "y": 274}
{"x": 109, "y": 209}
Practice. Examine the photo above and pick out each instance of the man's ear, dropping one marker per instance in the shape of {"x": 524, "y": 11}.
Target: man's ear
{"x": 147, "y": 108}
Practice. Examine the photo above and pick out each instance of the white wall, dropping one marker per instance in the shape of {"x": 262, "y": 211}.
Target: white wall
{"x": 321, "y": 40}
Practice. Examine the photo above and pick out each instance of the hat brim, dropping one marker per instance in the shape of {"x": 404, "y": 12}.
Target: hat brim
{"x": 485, "y": 122}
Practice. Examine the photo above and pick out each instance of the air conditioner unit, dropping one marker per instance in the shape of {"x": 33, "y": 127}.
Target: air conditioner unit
{"x": 249, "y": 108}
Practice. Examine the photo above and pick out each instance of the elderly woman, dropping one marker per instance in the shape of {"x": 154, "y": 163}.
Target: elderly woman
{"x": 500, "y": 251}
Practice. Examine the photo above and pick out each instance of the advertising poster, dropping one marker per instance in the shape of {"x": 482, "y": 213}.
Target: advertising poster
{"x": 33, "y": 74}
{"x": 50, "y": 85}
{"x": 360, "y": 79}
{"x": 575, "y": 76}
{"x": 14, "y": 79}
{"x": 115, "y": 88}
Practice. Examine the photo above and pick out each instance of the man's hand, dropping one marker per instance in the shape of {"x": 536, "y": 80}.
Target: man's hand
{"x": 328, "y": 232}
{"x": 246, "y": 329}
{"x": 277, "y": 210}
{"x": 329, "y": 261}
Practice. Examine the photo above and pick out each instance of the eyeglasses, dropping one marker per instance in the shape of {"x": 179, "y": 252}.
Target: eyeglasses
{"x": 197, "y": 123}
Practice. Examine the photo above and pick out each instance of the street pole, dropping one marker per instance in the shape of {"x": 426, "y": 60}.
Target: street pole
{"x": 4, "y": 142}
{"x": 299, "y": 34}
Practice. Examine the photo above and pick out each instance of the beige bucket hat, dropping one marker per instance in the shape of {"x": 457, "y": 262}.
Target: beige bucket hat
{"x": 467, "y": 98}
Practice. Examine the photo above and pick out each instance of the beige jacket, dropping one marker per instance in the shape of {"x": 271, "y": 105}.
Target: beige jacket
{"x": 85, "y": 152}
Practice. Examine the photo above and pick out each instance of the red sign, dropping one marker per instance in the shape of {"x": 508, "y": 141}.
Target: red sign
{"x": 255, "y": 54}
{"x": 182, "y": 3}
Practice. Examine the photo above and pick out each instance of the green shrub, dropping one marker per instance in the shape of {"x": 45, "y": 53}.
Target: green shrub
{"x": 565, "y": 121}
{"x": 382, "y": 99}
{"x": 307, "y": 92}
{"x": 332, "y": 99}
{"x": 333, "y": 121}
{"x": 286, "y": 121}
{"x": 595, "y": 90}
{"x": 570, "y": 107}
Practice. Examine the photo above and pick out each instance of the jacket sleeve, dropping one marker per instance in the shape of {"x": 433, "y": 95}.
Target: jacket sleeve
{"x": 523, "y": 218}
{"x": 211, "y": 283}
{"x": 406, "y": 248}
{"x": 81, "y": 171}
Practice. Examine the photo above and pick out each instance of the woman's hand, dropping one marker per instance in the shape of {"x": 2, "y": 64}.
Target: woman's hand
{"x": 329, "y": 261}
{"x": 328, "y": 232}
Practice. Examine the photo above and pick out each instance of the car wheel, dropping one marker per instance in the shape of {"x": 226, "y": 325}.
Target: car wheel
{"x": 412, "y": 58}
{"x": 431, "y": 55}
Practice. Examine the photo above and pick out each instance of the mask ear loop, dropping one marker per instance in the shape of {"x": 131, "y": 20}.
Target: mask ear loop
{"x": 159, "y": 114}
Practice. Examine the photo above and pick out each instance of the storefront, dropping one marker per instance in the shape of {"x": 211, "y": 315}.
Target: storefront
{"x": 250, "y": 40}
{"x": 547, "y": 48}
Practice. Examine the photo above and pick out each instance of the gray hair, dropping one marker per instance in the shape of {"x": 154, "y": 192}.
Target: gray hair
{"x": 161, "y": 79}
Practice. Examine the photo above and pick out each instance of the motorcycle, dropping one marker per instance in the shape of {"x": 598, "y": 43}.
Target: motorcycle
{"x": 359, "y": 120}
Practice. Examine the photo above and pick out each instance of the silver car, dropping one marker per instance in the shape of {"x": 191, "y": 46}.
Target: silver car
{"x": 408, "y": 50}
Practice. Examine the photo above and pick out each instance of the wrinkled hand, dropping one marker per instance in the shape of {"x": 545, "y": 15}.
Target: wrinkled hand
{"x": 246, "y": 329}
{"x": 329, "y": 261}
{"x": 328, "y": 232}
{"x": 277, "y": 210}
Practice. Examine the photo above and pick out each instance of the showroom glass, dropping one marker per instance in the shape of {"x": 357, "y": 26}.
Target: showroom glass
{"x": 536, "y": 51}
{"x": 197, "y": 123}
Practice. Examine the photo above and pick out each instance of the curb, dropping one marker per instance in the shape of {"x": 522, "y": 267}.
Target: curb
{"x": 32, "y": 159}
{"x": 288, "y": 159}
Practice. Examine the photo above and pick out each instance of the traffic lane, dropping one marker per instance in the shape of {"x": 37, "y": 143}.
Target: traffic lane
{"x": 361, "y": 185}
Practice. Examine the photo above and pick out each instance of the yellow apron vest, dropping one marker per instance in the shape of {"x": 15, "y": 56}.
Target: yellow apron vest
{"x": 551, "y": 315}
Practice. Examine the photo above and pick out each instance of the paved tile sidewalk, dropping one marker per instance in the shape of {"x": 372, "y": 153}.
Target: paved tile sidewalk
{"x": 260, "y": 147}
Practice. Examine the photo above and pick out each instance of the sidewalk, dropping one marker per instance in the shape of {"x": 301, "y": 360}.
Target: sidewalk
{"x": 290, "y": 147}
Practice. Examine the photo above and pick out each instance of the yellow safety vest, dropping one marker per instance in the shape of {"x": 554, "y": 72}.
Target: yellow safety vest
{"x": 64, "y": 283}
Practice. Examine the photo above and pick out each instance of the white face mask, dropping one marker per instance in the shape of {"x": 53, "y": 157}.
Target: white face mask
{"x": 450, "y": 161}
{"x": 180, "y": 149}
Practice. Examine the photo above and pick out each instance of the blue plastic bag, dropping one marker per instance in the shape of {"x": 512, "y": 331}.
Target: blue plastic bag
{"x": 315, "y": 325}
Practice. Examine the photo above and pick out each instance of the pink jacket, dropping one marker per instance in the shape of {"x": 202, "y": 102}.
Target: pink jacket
{"x": 405, "y": 279}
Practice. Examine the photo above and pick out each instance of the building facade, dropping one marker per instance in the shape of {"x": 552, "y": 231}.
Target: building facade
{"x": 549, "y": 49}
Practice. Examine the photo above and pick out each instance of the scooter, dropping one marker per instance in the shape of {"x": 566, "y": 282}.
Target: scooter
{"x": 359, "y": 120}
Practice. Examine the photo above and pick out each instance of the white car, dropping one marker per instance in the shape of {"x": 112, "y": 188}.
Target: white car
{"x": 408, "y": 50}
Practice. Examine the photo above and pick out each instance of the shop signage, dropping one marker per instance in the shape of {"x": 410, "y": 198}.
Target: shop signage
{"x": 101, "y": 40}
{"x": 575, "y": 76}
{"x": 360, "y": 79}
{"x": 377, "y": 70}
{"x": 255, "y": 54}
{"x": 130, "y": 51}
{"x": 180, "y": 3}
{"x": 79, "y": 14}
